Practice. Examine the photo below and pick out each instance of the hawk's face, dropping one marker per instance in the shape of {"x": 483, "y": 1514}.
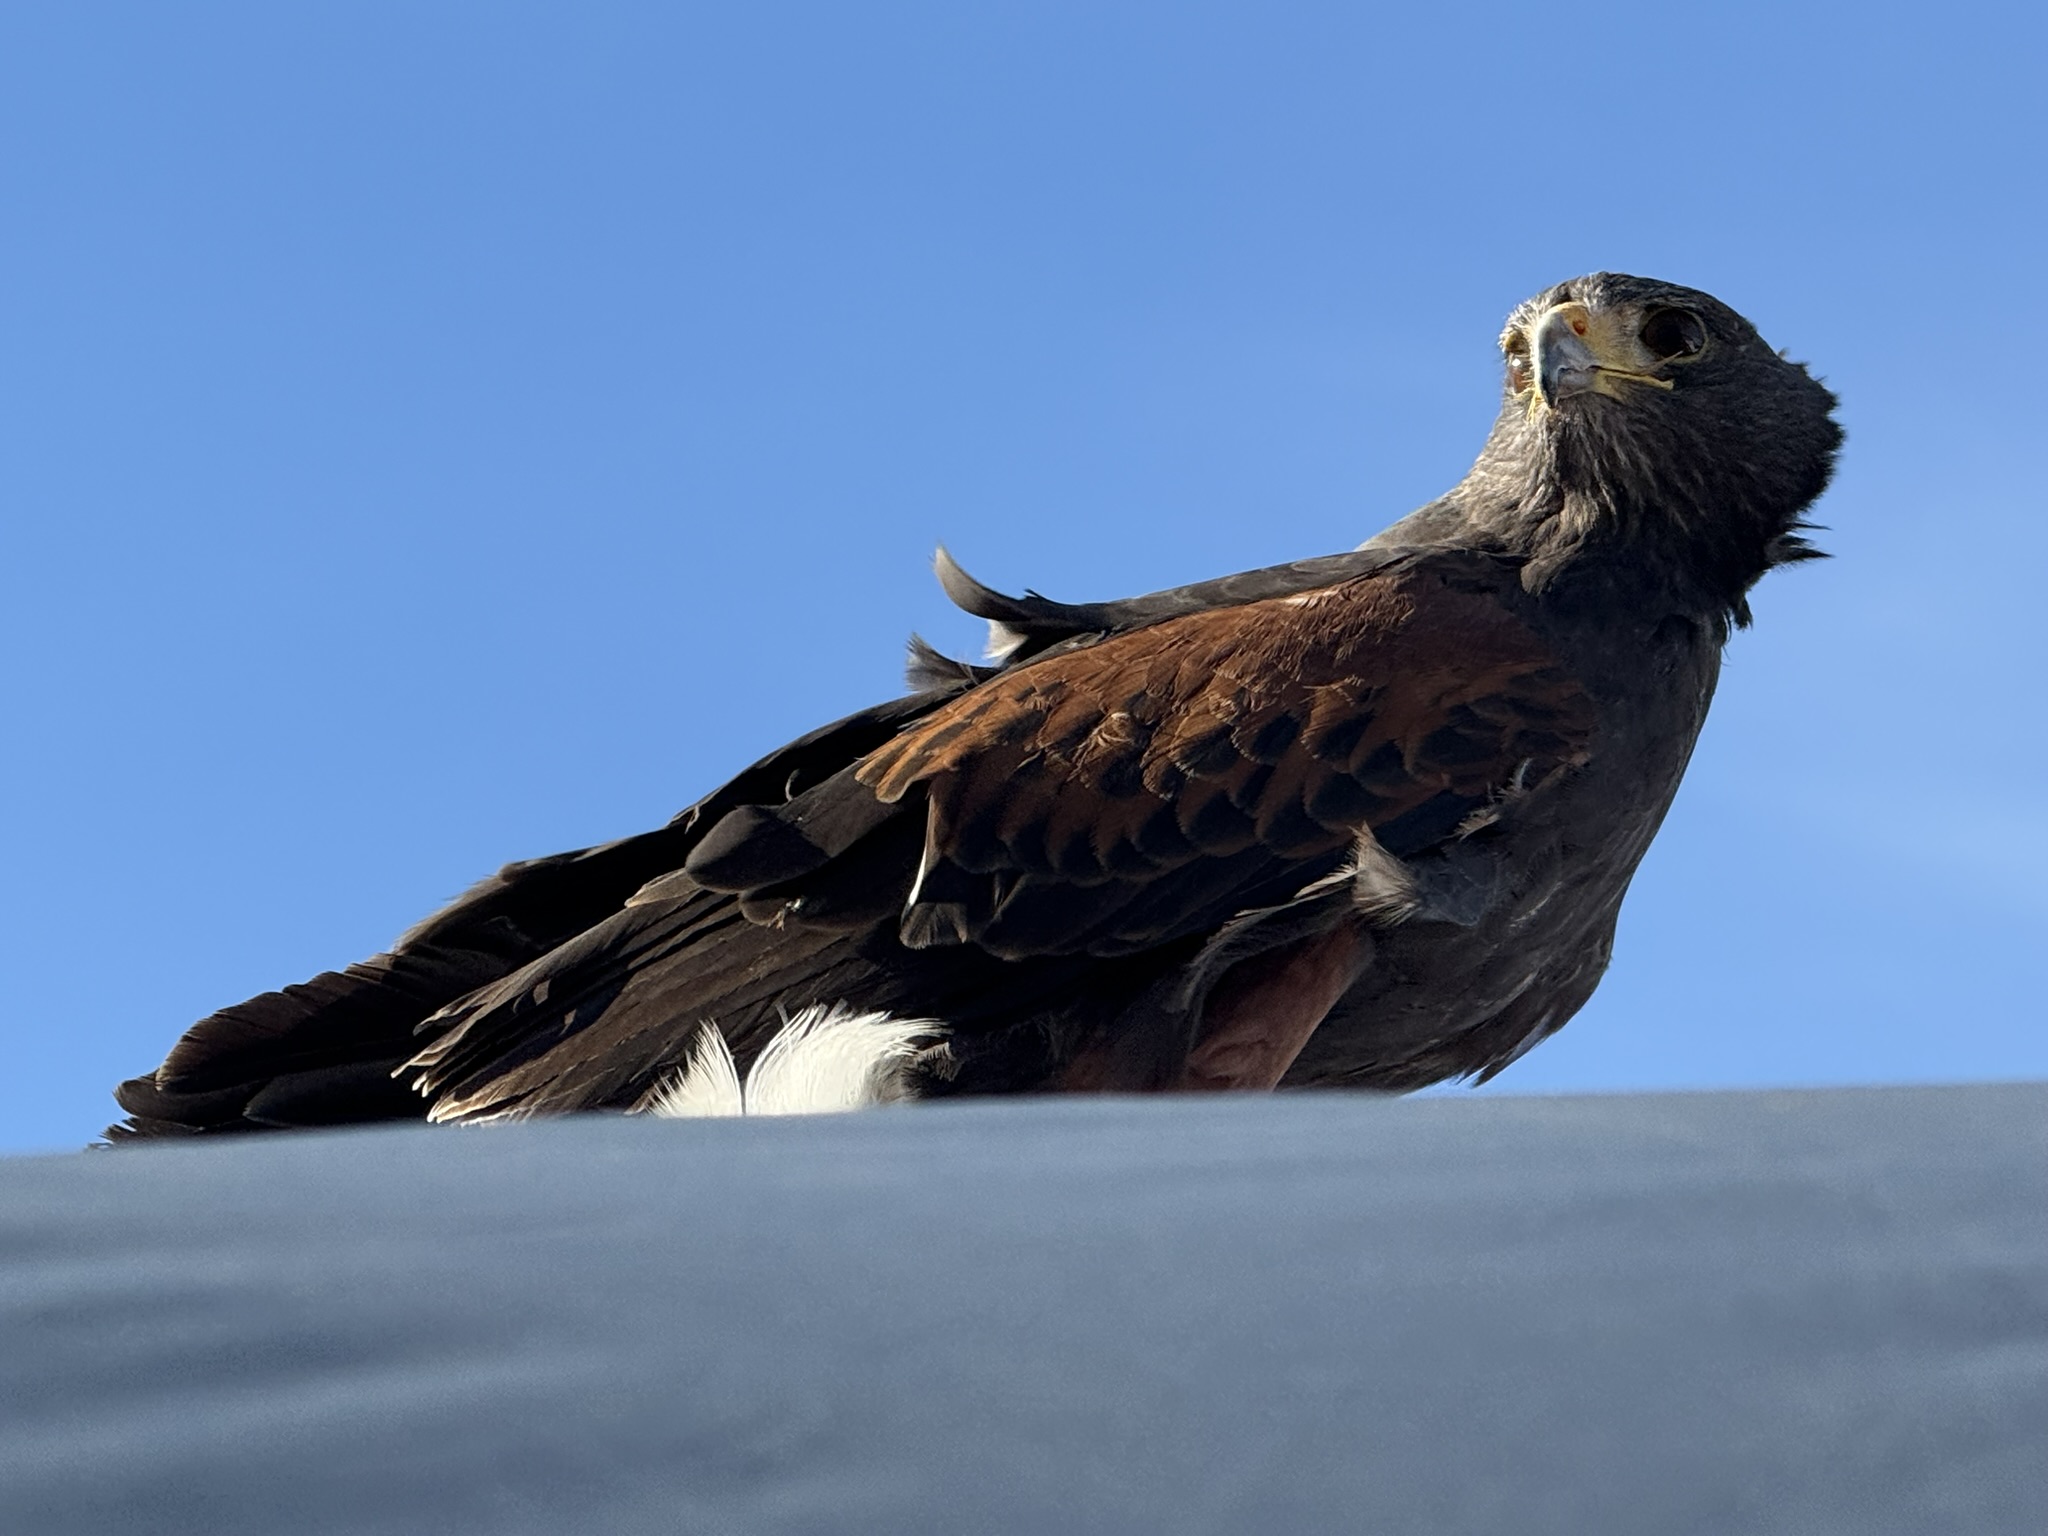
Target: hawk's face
{"x": 1562, "y": 346}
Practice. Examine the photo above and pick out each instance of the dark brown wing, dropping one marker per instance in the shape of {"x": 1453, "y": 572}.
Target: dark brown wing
{"x": 1129, "y": 817}
{"x": 1123, "y": 794}
{"x": 324, "y": 1052}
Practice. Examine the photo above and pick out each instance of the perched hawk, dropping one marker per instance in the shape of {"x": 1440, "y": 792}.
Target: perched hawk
{"x": 1365, "y": 819}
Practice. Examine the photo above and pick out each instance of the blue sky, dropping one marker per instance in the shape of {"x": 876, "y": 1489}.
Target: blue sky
{"x": 432, "y": 435}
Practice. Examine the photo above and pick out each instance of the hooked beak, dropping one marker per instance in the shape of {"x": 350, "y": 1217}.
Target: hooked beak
{"x": 1565, "y": 363}
{"x": 1574, "y": 351}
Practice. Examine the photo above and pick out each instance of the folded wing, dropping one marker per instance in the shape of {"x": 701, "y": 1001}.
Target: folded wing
{"x": 1112, "y": 796}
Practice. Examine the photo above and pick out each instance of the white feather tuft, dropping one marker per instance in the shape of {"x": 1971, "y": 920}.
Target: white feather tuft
{"x": 834, "y": 1058}
{"x": 709, "y": 1085}
{"x": 1003, "y": 641}
{"x": 825, "y": 1059}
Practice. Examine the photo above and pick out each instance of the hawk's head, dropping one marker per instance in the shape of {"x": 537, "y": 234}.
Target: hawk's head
{"x": 1648, "y": 419}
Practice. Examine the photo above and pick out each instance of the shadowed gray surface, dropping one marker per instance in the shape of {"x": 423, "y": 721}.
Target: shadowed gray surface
{"x": 1801, "y": 1312}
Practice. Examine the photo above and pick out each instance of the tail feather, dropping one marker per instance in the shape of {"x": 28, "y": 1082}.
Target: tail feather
{"x": 322, "y": 1052}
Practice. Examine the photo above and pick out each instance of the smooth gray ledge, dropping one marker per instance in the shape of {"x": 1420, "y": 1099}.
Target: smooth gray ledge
{"x": 1773, "y": 1312}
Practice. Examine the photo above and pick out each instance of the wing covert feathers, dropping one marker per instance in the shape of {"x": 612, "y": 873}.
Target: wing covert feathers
{"x": 1271, "y": 733}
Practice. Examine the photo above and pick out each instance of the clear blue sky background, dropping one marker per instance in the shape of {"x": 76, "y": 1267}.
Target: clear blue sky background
{"x": 437, "y": 434}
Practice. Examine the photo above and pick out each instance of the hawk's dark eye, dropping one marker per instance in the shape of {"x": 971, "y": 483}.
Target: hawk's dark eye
{"x": 1670, "y": 333}
{"x": 1520, "y": 374}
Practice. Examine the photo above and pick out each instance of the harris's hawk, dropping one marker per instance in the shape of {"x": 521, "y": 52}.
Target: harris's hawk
{"x": 1365, "y": 819}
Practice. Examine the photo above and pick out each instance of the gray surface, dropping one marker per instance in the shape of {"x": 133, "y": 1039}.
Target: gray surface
{"x": 1810, "y": 1313}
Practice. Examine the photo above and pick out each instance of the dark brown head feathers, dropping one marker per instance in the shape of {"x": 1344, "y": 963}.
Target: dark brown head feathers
{"x": 1697, "y": 463}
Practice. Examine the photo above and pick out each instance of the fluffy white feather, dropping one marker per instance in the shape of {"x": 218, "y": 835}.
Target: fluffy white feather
{"x": 827, "y": 1058}
{"x": 709, "y": 1085}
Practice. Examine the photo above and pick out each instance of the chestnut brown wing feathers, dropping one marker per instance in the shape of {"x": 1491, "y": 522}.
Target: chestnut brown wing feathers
{"x": 1219, "y": 753}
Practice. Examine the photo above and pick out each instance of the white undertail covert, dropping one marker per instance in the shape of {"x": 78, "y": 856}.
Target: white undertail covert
{"x": 825, "y": 1059}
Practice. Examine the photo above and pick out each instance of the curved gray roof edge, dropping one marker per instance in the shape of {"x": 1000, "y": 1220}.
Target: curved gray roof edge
{"x": 1814, "y": 1312}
